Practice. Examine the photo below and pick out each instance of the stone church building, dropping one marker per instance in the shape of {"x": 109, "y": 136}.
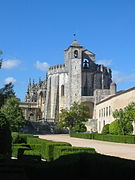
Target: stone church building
{"x": 79, "y": 79}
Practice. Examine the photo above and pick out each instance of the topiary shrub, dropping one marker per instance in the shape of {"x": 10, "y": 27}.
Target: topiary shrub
{"x": 79, "y": 128}
{"x": 119, "y": 127}
{"x": 20, "y": 138}
{"x": 5, "y": 138}
{"x": 114, "y": 128}
{"x": 105, "y": 129}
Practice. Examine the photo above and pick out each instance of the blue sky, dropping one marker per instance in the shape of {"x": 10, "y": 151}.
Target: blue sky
{"x": 34, "y": 34}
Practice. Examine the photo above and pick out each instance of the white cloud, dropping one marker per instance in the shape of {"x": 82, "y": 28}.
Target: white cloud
{"x": 10, "y": 63}
{"x": 120, "y": 77}
{"x": 104, "y": 62}
{"x": 43, "y": 66}
{"x": 9, "y": 79}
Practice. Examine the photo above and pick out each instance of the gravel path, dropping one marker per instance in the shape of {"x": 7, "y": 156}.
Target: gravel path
{"x": 126, "y": 151}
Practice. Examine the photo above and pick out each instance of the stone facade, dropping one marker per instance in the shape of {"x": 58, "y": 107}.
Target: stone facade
{"x": 76, "y": 80}
{"x": 30, "y": 110}
{"x": 79, "y": 79}
{"x": 105, "y": 108}
{"x": 36, "y": 94}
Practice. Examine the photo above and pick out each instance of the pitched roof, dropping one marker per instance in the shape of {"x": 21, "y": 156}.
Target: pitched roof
{"x": 117, "y": 94}
{"x": 75, "y": 43}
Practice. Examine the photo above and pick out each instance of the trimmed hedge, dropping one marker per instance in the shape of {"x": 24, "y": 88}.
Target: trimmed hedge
{"x": 50, "y": 149}
{"x": 83, "y": 135}
{"x": 19, "y": 147}
{"x": 66, "y": 150}
{"x": 33, "y": 154}
{"x": 47, "y": 147}
{"x": 18, "y": 138}
{"x": 108, "y": 137}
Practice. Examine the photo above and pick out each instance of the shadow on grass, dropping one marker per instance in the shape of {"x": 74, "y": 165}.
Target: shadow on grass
{"x": 80, "y": 166}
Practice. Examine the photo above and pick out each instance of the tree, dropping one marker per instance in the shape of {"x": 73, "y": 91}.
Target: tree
{"x": 125, "y": 118}
{"x": 13, "y": 113}
{"x": 6, "y": 92}
{"x": 115, "y": 129}
{"x": 105, "y": 129}
{"x": 121, "y": 121}
{"x": 79, "y": 128}
{"x": 5, "y": 138}
{"x": 128, "y": 128}
{"x": 77, "y": 114}
{"x": 1, "y": 59}
{"x": 130, "y": 112}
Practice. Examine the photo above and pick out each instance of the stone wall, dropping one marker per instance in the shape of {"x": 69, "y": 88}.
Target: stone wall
{"x": 80, "y": 80}
{"x": 106, "y": 107}
{"x": 30, "y": 111}
{"x": 63, "y": 91}
{"x": 60, "y": 68}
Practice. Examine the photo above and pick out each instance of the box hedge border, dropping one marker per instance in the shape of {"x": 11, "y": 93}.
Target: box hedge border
{"x": 46, "y": 149}
{"x": 66, "y": 150}
{"x": 108, "y": 137}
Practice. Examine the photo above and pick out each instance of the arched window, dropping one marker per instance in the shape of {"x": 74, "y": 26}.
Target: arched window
{"x": 62, "y": 90}
{"x": 76, "y": 54}
{"x": 86, "y": 64}
{"x": 41, "y": 98}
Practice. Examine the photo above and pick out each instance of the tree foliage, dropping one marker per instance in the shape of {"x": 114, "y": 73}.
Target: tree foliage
{"x": 125, "y": 118}
{"x": 126, "y": 114}
{"x": 5, "y": 138}
{"x": 79, "y": 128}
{"x": 105, "y": 129}
{"x": 1, "y": 52}
{"x": 6, "y": 92}
{"x": 114, "y": 128}
{"x": 130, "y": 112}
{"x": 77, "y": 114}
{"x": 13, "y": 113}
{"x": 117, "y": 128}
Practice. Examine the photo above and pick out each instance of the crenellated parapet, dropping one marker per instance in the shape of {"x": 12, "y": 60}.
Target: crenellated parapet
{"x": 104, "y": 69}
{"x": 60, "y": 68}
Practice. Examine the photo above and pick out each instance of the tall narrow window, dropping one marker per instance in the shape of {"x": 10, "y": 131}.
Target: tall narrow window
{"x": 109, "y": 110}
{"x": 106, "y": 111}
{"x": 102, "y": 112}
{"x": 62, "y": 90}
{"x": 76, "y": 54}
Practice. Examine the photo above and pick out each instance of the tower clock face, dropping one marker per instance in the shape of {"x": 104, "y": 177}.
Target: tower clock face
{"x": 76, "y": 54}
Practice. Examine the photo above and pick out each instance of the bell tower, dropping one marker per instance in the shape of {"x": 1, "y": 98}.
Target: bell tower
{"x": 88, "y": 71}
{"x": 73, "y": 63}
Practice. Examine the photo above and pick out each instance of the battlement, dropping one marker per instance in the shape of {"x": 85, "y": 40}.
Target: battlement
{"x": 57, "y": 69}
{"x": 104, "y": 69}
